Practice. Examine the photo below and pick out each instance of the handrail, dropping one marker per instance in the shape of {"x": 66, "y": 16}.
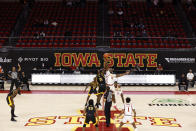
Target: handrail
{"x": 107, "y": 37}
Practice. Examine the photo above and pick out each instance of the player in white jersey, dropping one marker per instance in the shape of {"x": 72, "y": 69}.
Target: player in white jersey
{"x": 110, "y": 79}
{"x": 118, "y": 91}
{"x": 129, "y": 114}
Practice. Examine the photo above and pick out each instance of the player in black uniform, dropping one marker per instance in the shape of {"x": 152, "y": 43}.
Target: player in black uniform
{"x": 102, "y": 86}
{"x": 10, "y": 102}
{"x": 93, "y": 89}
{"x": 90, "y": 113}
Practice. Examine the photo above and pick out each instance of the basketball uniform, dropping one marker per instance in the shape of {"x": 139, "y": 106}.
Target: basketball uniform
{"x": 102, "y": 85}
{"x": 90, "y": 115}
{"x": 110, "y": 79}
{"x": 128, "y": 117}
{"x": 118, "y": 91}
{"x": 93, "y": 88}
{"x": 9, "y": 101}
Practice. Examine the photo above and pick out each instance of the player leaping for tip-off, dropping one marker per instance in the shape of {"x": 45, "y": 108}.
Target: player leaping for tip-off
{"x": 110, "y": 78}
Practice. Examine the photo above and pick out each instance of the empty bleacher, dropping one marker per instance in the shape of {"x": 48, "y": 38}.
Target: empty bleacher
{"x": 78, "y": 22}
{"x": 162, "y": 27}
{"x": 191, "y": 14}
{"x": 9, "y": 11}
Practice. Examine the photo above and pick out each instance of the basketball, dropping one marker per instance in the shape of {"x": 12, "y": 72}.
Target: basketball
{"x": 106, "y": 55}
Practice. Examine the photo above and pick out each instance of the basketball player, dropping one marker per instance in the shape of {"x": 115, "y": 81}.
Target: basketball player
{"x": 102, "y": 86}
{"x": 118, "y": 91}
{"x": 93, "y": 89}
{"x": 110, "y": 79}
{"x": 128, "y": 117}
{"x": 10, "y": 102}
{"x": 90, "y": 113}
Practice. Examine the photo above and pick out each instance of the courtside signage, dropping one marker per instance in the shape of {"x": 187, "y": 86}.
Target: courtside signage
{"x": 171, "y": 102}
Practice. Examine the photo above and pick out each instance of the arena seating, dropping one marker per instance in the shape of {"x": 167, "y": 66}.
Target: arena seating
{"x": 79, "y": 22}
{"x": 154, "y": 21}
{"x": 9, "y": 12}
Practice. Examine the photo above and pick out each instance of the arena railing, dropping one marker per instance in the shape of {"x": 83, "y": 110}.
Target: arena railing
{"x": 122, "y": 41}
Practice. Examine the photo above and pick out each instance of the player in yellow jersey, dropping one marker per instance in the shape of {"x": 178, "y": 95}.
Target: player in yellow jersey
{"x": 93, "y": 89}
{"x": 10, "y": 102}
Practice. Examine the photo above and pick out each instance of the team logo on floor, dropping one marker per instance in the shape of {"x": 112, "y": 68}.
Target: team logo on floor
{"x": 77, "y": 121}
{"x": 171, "y": 102}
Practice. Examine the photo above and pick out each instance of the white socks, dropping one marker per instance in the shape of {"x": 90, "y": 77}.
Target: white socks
{"x": 135, "y": 129}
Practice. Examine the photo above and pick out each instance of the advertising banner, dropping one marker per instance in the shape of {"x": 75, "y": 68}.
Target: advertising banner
{"x": 92, "y": 59}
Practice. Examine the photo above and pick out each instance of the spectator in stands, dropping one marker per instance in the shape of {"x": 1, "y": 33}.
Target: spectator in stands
{"x": 117, "y": 34}
{"x": 162, "y": 13}
{"x": 43, "y": 66}
{"x": 127, "y": 34}
{"x": 42, "y": 35}
{"x": 46, "y": 23}
{"x": 51, "y": 70}
{"x": 159, "y": 69}
{"x": 144, "y": 34}
{"x": 183, "y": 82}
{"x": 36, "y": 35}
{"x": 54, "y": 23}
{"x": 140, "y": 24}
{"x": 120, "y": 12}
{"x": 77, "y": 71}
{"x": 110, "y": 11}
{"x": 190, "y": 78}
{"x": 155, "y": 2}
{"x": 38, "y": 23}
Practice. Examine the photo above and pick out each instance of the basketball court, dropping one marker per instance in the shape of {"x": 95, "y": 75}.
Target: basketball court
{"x": 59, "y": 108}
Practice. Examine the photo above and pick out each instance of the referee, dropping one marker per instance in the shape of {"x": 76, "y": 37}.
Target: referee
{"x": 14, "y": 78}
{"x": 108, "y": 104}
